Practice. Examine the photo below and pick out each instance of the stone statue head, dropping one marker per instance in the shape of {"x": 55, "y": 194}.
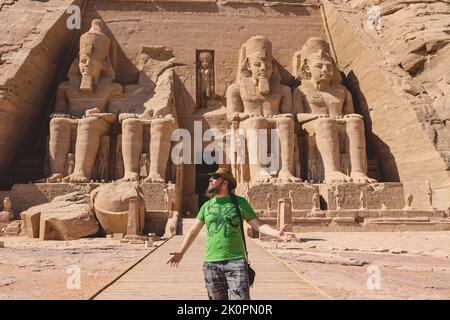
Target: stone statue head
{"x": 314, "y": 62}
{"x": 205, "y": 59}
{"x": 94, "y": 55}
{"x": 256, "y": 61}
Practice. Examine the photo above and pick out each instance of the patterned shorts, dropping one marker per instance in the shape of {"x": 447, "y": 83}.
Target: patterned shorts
{"x": 227, "y": 280}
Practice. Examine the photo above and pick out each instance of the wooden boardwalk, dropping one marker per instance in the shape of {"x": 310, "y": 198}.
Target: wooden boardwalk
{"x": 153, "y": 279}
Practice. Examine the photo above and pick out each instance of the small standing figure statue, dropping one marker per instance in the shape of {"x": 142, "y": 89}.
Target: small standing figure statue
{"x": 362, "y": 202}
{"x": 430, "y": 194}
{"x": 338, "y": 197}
{"x": 246, "y": 192}
{"x": 291, "y": 195}
{"x": 269, "y": 202}
{"x": 166, "y": 199}
{"x": 70, "y": 163}
{"x": 408, "y": 201}
{"x": 316, "y": 201}
{"x": 144, "y": 165}
{"x": 7, "y": 214}
{"x": 7, "y": 205}
{"x": 206, "y": 77}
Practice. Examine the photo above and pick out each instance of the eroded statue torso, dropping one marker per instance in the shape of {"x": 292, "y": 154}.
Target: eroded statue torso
{"x": 78, "y": 101}
{"x": 257, "y": 104}
{"x": 329, "y": 101}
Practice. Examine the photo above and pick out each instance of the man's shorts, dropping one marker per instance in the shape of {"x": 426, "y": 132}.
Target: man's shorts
{"x": 227, "y": 280}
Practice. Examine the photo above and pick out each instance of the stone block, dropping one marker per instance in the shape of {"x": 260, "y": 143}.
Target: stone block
{"x": 117, "y": 236}
{"x": 67, "y": 217}
{"x": 6, "y": 216}
{"x": 154, "y": 195}
{"x": 15, "y": 228}
{"x": 31, "y": 221}
{"x": 285, "y": 213}
{"x": 25, "y": 196}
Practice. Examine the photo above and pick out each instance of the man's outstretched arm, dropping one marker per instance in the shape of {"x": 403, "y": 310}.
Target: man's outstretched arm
{"x": 187, "y": 241}
{"x": 266, "y": 229}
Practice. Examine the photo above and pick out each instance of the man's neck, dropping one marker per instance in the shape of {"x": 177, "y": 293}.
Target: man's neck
{"x": 222, "y": 195}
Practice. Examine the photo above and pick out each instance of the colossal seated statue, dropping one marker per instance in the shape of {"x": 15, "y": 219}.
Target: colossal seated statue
{"x": 150, "y": 109}
{"x": 259, "y": 101}
{"x": 81, "y": 102}
{"x": 322, "y": 105}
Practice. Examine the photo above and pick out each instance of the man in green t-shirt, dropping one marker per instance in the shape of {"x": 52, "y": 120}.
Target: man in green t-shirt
{"x": 225, "y": 267}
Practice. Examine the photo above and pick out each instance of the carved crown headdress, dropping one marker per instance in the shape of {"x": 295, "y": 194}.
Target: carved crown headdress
{"x": 313, "y": 47}
{"x": 255, "y": 45}
{"x": 97, "y": 44}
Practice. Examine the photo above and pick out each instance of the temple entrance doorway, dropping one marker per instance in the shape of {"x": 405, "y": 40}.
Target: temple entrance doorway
{"x": 202, "y": 180}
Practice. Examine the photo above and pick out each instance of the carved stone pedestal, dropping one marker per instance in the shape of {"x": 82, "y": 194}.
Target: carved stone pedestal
{"x": 387, "y": 195}
{"x": 256, "y": 194}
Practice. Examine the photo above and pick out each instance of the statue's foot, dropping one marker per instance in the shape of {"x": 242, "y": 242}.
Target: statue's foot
{"x": 262, "y": 178}
{"x": 336, "y": 177}
{"x": 154, "y": 178}
{"x": 286, "y": 176}
{"x": 360, "y": 177}
{"x": 56, "y": 177}
{"x": 133, "y": 176}
{"x": 76, "y": 178}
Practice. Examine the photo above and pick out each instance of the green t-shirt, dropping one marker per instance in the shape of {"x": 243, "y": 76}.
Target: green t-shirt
{"x": 224, "y": 236}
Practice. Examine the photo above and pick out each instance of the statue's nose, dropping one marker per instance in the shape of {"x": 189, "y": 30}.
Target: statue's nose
{"x": 263, "y": 66}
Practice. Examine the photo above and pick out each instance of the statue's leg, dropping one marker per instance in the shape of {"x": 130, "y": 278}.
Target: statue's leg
{"x": 59, "y": 147}
{"x": 88, "y": 140}
{"x": 327, "y": 140}
{"x": 253, "y": 128}
{"x": 160, "y": 143}
{"x": 285, "y": 126}
{"x": 132, "y": 140}
{"x": 357, "y": 149}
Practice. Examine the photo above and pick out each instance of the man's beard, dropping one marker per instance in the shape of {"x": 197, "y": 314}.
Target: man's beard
{"x": 213, "y": 190}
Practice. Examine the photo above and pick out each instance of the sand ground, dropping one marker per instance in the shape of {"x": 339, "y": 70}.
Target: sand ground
{"x": 372, "y": 265}
{"x": 33, "y": 269}
{"x": 360, "y": 265}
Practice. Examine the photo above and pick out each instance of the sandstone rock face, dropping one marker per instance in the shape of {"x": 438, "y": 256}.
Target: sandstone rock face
{"x": 111, "y": 205}
{"x": 65, "y": 218}
{"x": 408, "y": 59}
{"x": 414, "y": 36}
{"x": 33, "y": 47}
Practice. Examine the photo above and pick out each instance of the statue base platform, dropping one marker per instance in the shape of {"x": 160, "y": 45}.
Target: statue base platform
{"x": 134, "y": 239}
{"x": 369, "y": 220}
{"x": 385, "y": 195}
{"x": 263, "y": 197}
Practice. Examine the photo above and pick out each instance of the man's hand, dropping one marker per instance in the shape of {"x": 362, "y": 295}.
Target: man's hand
{"x": 175, "y": 260}
{"x": 285, "y": 236}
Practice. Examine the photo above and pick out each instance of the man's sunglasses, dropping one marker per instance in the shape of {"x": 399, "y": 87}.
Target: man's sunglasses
{"x": 214, "y": 177}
